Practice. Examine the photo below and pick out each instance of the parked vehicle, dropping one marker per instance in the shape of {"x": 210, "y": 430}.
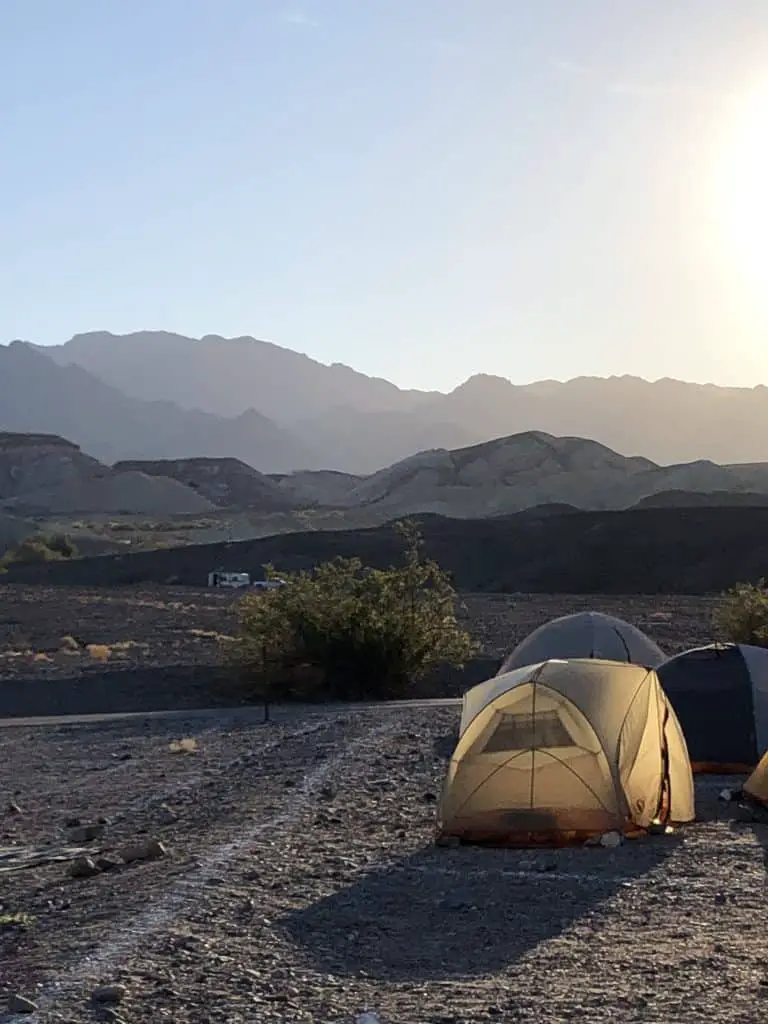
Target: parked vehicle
{"x": 268, "y": 584}
{"x": 232, "y": 580}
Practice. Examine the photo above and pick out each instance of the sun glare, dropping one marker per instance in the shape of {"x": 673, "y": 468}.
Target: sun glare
{"x": 743, "y": 190}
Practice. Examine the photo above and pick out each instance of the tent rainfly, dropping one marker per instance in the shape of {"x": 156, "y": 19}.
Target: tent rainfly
{"x": 563, "y": 751}
{"x": 585, "y": 635}
{"x": 720, "y": 695}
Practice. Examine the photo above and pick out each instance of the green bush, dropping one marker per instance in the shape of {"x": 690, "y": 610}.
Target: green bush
{"x": 37, "y": 549}
{"x": 62, "y": 545}
{"x": 345, "y": 631}
{"x": 741, "y": 614}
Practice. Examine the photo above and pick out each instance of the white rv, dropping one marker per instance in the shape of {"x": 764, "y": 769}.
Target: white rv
{"x": 233, "y": 580}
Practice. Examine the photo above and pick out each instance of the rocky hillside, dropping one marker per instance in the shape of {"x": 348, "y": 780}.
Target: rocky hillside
{"x": 514, "y": 473}
{"x": 228, "y": 483}
{"x": 33, "y": 462}
{"x": 42, "y": 474}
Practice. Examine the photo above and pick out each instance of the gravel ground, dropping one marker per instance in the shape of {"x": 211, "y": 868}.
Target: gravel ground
{"x": 301, "y": 884}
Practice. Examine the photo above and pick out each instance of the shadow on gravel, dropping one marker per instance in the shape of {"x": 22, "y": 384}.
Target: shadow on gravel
{"x": 447, "y": 913}
{"x": 174, "y": 687}
{"x": 116, "y": 691}
{"x": 756, "y": 820}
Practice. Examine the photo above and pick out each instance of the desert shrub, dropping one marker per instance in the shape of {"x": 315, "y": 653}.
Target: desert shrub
{"x": 346, "y": 631}
{"x": 741, "y": 614}
{"x": 37, "y": 549}
{"x": 62, "y": 545}
{"x": 30, "y": 552}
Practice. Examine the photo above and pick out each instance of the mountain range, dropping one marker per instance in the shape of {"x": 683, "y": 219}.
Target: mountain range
{"x": 157, "y": 395}
{"x": 44, "y": 474}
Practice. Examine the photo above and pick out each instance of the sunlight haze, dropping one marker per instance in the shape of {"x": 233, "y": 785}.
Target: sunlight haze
{"x": 422, "y": 189}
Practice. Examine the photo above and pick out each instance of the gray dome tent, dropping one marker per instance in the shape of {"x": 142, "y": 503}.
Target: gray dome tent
{"x": 720, "y": 695}
{"x": 585, "y": 635}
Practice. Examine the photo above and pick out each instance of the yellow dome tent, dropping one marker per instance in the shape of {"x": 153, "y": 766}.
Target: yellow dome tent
{"x": 563, "y": 751}
{"x": 756, "y": 786}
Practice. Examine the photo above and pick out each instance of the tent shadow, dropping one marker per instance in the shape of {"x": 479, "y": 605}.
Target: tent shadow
{"x": 446, "y": 913}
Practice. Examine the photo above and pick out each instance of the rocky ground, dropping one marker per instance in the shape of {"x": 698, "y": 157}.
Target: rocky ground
{"x": 297, "y": 881}
{"x": 66, "y": 631}
{"x": 55, "y": 631}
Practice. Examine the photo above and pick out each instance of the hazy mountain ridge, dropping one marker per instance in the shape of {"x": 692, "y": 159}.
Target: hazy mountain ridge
{"x": 227, "y": 376}
{"x": 38, "y": 395}
{"x": 342, "y": 419}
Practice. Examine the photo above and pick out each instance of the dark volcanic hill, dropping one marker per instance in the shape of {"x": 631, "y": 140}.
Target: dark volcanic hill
{"x": 669, "y": 550}
{"x": 695, "y": 499}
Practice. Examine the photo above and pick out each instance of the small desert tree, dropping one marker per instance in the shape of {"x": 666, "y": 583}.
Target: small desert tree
{"x": 346, "y": 631}
{"x": 741, "y": 614}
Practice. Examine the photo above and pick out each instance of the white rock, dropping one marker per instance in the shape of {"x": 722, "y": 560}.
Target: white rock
{"x": 611, "y": 840}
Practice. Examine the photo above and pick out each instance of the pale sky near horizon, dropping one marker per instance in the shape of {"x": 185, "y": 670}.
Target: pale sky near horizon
{"x": 423, "y": 189}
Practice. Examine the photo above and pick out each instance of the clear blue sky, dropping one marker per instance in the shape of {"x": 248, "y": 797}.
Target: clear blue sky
{"x": 423, "y": 189}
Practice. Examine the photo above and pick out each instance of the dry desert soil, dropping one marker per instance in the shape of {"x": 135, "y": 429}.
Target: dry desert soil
{"x": 46, "y": 632}
{"x": 298, "y": 880}
{"x": 301, "y": 883}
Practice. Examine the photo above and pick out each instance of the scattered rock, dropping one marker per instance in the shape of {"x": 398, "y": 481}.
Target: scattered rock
{"x": 86, "y": 833}
{"x": 167, "y": 815}
{"x": 248, "y": 907}
{"x": 107, "y": 863}
{"x": 152, "y": 849}
{"x": 106, "y": 1013}
{"x": 20, "y": 1004}
{"x": 429, "y": 798}
{"x": 109, "y": 994}
{"x": 83, "y": 867}
{"x": 611, "y": 840}
{"x": 188, "y": 745}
